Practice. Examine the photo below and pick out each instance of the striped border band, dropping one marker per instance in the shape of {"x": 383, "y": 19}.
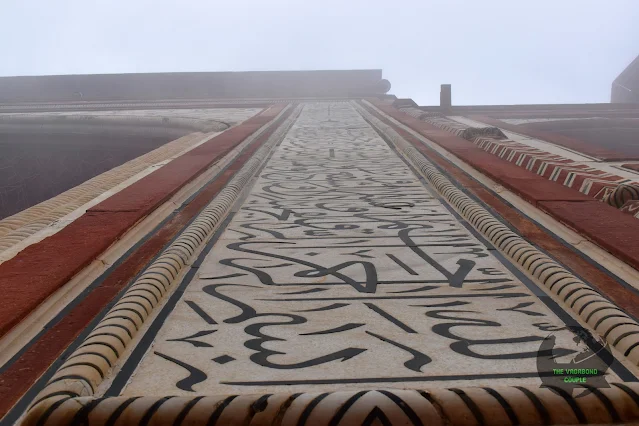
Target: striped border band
{"x": 92, "y": 361}
{"x": 604, "y": 317}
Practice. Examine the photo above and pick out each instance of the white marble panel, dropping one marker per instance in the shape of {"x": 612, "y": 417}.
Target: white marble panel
{"x": 338, "y": 274}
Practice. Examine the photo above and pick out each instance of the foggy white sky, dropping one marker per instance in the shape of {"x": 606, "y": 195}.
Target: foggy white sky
{"x": 491, "y": 51}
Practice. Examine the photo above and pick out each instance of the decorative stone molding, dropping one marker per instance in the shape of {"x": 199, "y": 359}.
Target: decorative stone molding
{"x": 472, "y": 133}
{"x": 69, "y": 397}
{"x": 584, "y": 178}
{"x": 92, "y": 361}
{"x": 622, "y": 194}
{"x": 469, "y": 406}
{"x": 608, "y": 320}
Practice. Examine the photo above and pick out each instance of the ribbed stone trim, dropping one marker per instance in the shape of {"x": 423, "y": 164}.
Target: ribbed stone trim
{"x": 460, "y": 406}
{"x": 92, "y": 361}
{"x": 595, "y": 310}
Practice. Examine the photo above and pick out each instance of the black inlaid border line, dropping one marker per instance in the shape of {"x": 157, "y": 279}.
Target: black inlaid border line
{"x": 441, "y": 378}
{"x": 468, "y": 193}
{"x": 102, "y": 277}
{"x": 16, "y": 411}
{"x": 128, "y": 368}
{"x": 495, "y": 214}
{"x": 308, "y": 410}
{"x": 399, "y": 262}
{"x": 122, "y": 377}
{"x": 389, "y": 317}
{"x": 617, "y": 366}
{"x": 23, "y": 403}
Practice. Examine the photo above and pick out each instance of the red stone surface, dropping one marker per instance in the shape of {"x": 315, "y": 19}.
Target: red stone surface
{"x": 532, "y": 187}
{"x": 540, "y": 110}
{"x": 618, "y": 135}
{"x": 36, "y": 272}
{"x": 539, "y": 189}
{"x": 152, "y": 190}
{"x": 36, "y": 359}
{"x": 557, "y": 111}
{"x": 624, "y": 298}
{"x": 632, "y": 167}
{"x": 601, "y": 151}
{"x": 563, "y": 203}
{"x": 610, "y": 228}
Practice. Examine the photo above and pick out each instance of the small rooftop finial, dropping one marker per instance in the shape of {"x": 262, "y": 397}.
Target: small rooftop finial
{"x": 445, "y": 99}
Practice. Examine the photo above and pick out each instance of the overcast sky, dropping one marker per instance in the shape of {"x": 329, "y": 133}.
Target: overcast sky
{"x": 491, "y": 51}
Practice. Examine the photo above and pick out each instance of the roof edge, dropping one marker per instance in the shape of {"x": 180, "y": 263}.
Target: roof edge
{"x": 195, "y": 85}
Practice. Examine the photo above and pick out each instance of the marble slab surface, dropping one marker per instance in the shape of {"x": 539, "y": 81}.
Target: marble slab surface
{"x": 343, "y": 271}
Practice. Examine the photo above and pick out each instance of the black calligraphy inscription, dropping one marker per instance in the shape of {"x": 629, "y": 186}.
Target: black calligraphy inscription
{"x": 416, "y": 362}
{"x": 195, "y": 375}
{"x": 462, "y": 344}
{"x": 342, "y": 267}
{"x": 192, "y": 339}
{"x": 201, "y": 313}
{"x": 520, "y": 308}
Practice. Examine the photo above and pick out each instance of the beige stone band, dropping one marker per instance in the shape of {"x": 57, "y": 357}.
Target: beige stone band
{"x": 608, "y": 320}
{"x": 469, "y": 406}
{"x": 20, "y": 226}
{"x": 93, "y": 360}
